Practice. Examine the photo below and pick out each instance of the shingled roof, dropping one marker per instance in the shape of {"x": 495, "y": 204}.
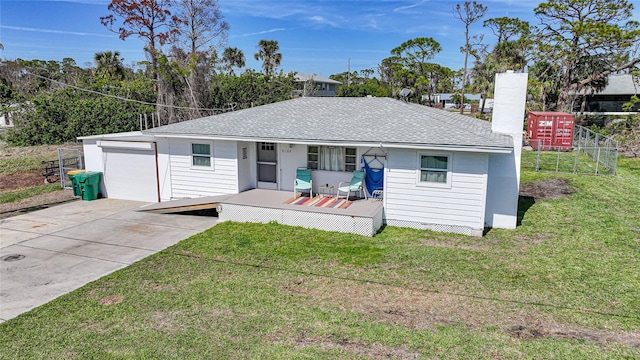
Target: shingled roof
{"x": 375, "y": 121}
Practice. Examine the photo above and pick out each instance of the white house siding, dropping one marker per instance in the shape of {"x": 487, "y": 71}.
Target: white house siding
{"x": 460, "y": 208}
{"x": 164, "y": 169}
{"x": 92, "y": 155}
{"x": 291, "y": 157}
{"x": 189, "y": 182}
{"x": 247, "y": 178}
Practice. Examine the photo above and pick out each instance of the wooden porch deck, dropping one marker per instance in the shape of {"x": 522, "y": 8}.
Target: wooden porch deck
{"x": 363, "y": 217}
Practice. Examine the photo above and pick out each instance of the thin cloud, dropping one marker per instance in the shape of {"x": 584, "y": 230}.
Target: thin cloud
{"x": 262, "y": 32}
{"x": 322, "y": 20}
{"x": 52, "y": 31}
{"x": 407, "y": 7}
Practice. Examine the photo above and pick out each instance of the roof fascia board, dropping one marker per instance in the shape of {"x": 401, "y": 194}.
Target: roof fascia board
{"x": 474, "y": 149}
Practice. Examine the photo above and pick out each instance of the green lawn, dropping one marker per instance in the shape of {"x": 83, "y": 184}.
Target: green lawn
{"x": 16, "y": 195}
{"x": 565, "y": 284}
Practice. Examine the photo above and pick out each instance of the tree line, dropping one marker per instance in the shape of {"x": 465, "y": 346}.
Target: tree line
{"x": 190, "y": 71}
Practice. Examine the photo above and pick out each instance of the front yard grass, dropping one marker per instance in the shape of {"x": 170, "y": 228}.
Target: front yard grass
{"x": 565, "y": 284}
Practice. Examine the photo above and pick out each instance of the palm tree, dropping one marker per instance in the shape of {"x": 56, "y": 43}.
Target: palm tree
{"x": 232, "y": 57}
{"x": 109, "y": 65}
{"x": 268, "y": 53}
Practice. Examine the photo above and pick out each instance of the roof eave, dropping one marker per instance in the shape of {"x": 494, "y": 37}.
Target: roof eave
{"x": 420, "y": 146}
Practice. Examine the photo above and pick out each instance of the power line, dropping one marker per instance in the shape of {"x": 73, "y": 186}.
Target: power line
{"x": 127, "y": 99}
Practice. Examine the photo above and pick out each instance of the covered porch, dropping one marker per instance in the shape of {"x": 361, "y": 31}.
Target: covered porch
{"x": 363, "y": 217}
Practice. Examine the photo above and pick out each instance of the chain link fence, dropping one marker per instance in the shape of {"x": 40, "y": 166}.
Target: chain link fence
{"x": 69, "y": 159}
{"x": 591, "y": 153}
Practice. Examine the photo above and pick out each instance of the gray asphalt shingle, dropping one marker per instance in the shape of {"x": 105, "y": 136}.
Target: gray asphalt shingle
{"x": 345, "y": 120}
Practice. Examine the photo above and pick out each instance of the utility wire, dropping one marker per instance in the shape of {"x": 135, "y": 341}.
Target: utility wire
{"x": 127, "y": 99}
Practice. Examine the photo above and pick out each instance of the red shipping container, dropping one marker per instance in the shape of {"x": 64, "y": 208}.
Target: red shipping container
{"x": 551, "y": 130}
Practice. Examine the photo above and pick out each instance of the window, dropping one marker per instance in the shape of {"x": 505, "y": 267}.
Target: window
{"x": 312, "y": 157}
{"x": 201, "y": 155}
{"x": 333, "y": 158}
{"x": 435, "y": 169}
{"x": 350, "y": 159}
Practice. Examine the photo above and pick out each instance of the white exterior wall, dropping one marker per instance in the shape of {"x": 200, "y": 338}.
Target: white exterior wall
{"x": 458, "y": 208}
{"x": 504, "y": 169}
{"x": 93, "y": 159}
{"x": 290, "y": 157}
{"x": 247, "y": 177}
{"x": 190, "y": 182}
{"x": 294, "y": 156}
{"x": 92, "y": 155}
{"x": 164, "y": 169}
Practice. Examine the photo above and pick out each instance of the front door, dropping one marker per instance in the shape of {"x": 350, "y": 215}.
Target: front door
{"x": 267, "y": 166}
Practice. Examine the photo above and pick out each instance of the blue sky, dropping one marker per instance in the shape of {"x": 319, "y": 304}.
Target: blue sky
{"x": 315, "y": 36}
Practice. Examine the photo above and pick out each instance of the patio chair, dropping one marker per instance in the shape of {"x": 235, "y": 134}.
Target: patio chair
{"x": 355, "y": 185}
{"x": 303, "y": 182}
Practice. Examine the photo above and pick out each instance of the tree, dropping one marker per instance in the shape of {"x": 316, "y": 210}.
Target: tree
{"x": 268, "y": 53}
{"x": 504, "y": 28}
{"x": 468, "y": 13}
{"x": 150, "y": 20}
{"x": 201, "y": 23}
{"x": 109, "y": 65}
{"x": 544, "y": 83}
{"x": 412, "y": 56}
{"x": 366, "y": 73}
{"x": 232, "y": 57}
{"x": 250, "y": 89}
{"x": 573, "y": 29}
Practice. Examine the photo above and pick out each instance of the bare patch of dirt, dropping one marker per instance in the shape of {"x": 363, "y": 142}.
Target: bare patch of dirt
{"x": 111, "y": 300}
{"x": 424, "y": 309}
{"x": 21, "y": 180}
{"x": 375, "y": 351}
{"x": 547, "y": 189}
{"x": 35, "y": 203}
{"x": 535, "y": 239}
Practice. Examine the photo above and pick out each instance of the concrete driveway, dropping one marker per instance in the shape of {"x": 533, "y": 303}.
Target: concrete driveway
{"x": 48, "y": 253}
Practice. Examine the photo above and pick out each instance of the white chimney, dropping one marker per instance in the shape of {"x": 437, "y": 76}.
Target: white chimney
{"x": 503, "y": 181}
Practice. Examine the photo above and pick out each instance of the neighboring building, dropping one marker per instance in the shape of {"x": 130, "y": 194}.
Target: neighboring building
{"x": 609, "y": 100}
{"x": 6, "y": 119}
{"x": 445, "y": 100}
{"x": 442, "y": 171}
{"x": 314, "y": 85}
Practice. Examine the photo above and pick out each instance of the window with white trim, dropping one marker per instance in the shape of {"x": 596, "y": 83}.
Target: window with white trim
{"x": 313, "y": 157}
{"x": 350, "y": 159}
{"x": 332, "y": 158}
{"x": 435, "y": 169}
{"x": 201, "y": 155}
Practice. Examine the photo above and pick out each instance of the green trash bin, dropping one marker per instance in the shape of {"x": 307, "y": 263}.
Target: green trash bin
{"x": 74, "y": 184}
{"x": 89, "y": 182}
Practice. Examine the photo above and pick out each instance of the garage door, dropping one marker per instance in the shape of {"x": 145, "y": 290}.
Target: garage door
{"x": 130, "y": 170}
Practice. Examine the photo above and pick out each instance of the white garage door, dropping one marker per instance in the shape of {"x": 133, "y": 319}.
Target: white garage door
{"x": 130, "y": 170}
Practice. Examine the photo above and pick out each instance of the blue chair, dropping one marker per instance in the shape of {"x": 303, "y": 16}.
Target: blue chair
{"x": 303, "y": 182}
{"x": 355, "y": 185}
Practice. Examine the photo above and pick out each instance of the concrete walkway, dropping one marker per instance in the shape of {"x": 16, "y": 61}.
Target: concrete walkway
{"x": 48, "y": 253}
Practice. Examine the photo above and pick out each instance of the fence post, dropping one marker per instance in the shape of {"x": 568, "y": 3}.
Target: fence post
{"x": 61, "y": 168}
{"x": 576, "y": 159}
{"x": 538, "y": 157}
{"x": 615, "y": 159}
{"x": 606, "y": 159}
